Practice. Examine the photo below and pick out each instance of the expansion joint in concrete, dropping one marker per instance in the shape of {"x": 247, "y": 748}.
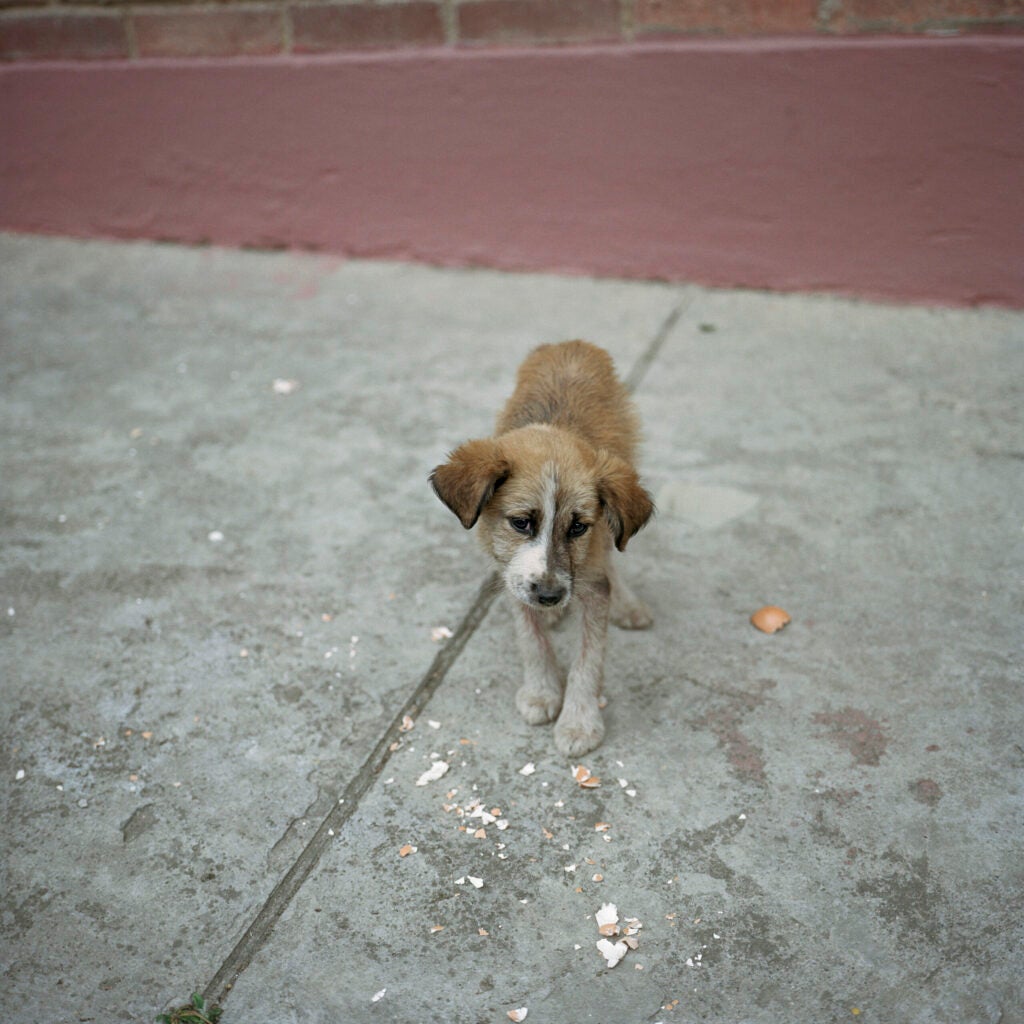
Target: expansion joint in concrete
{"x": 256, "y": 935}
{"x": 646, "y": 358}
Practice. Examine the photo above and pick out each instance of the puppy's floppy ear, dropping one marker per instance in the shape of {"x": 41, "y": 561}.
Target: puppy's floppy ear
{"x": 627, "y": 506}
{"x": 468, "y": 480}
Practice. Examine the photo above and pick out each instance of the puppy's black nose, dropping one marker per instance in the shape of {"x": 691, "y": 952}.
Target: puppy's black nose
{"x": 548, "y": 596}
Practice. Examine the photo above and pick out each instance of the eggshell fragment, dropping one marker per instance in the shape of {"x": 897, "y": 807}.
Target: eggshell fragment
{"x": 433, "y": 773}
{"x": 770, "y": 618}
{"x": 613, "y": 952}
{"x": 518, "y": 1015}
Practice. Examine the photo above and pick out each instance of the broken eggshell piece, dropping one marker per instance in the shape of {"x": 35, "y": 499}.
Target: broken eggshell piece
{"x": 613, "y": 952}
{"x": 433, "y": 773}
{"x": 770, "y": 618}
{"x": 607, "y": 919}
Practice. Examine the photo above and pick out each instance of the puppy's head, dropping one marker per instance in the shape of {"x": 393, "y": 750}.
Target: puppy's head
{"x": 547, "y": 504}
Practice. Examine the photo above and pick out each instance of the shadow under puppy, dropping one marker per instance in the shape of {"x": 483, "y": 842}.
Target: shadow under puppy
{"x": 552, "y": 491}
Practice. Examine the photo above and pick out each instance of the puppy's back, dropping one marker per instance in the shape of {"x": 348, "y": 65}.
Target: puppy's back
{"x": 573, "y": 385}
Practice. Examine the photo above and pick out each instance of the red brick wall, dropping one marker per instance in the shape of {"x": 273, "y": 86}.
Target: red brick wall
{"x": 97, "y": 30}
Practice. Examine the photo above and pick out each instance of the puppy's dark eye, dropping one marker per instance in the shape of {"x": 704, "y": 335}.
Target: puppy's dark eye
{"x": 521, "y": 524}
{"x": 578, "y": 529}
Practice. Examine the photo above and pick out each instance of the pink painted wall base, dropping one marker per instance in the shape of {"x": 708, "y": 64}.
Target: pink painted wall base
{"x": 887, "y": 168}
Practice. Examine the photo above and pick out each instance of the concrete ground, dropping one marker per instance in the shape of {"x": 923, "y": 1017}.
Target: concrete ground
{"x": 219, "y": 599}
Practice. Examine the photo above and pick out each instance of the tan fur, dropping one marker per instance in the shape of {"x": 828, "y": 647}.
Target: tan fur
{"x": 553, "y": 490}
{"x": 574, "y": 386}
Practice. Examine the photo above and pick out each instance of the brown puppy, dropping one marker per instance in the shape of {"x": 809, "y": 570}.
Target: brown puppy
{"x": 553, "y": 490}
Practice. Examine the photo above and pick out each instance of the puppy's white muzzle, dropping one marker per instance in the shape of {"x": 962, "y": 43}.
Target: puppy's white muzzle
{"x": 530, "y": 580}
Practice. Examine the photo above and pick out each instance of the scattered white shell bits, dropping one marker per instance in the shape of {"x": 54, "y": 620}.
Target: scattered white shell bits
{"x": 607, "y": 918}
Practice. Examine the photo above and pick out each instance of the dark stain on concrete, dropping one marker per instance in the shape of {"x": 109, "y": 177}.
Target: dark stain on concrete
{"x": 840, "y": 797}
{"x": 906, "y": 896}
{"x": 697, "y": 850}
{"x": 864, "y": 737}
{"x": 926, "y": 791}
{"x": 759, "y": 940}
{"x": 826, "y": 821}
{"x": 745, "y": 759}
{"x": 290, "y": 694}
{"x": 25, "y": 912}
{"x": 142, "y": 820}
{"x": 724, "y": 721}
{"x": 720, "y": 831}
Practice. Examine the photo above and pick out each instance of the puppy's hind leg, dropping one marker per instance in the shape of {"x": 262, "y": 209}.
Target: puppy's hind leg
{"x": 627, "y": 611}
{"x": 540, "y": 697}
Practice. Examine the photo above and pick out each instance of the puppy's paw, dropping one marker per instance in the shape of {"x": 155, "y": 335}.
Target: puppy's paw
{"x": 539, "y": 704}
{"x": 579, "y": 729}
{"x": 635, "y": 615}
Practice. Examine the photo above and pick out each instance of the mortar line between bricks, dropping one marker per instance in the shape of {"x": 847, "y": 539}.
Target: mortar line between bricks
{"x": 256, "y": 935}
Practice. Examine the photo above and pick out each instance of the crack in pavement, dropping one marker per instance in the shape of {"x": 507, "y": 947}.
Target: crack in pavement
{"x": 282, "y": 894}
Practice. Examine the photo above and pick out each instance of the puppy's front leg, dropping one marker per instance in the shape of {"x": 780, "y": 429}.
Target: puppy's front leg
{"x": 540, "y": 697}
{"x": 580, "y": 726}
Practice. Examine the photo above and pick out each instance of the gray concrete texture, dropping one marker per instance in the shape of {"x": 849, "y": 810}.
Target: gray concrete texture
{"x": 219, "y": 599}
